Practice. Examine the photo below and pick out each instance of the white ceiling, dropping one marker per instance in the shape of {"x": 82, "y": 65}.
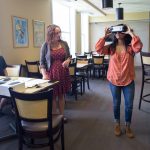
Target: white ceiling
{"x": 128, "y": 5}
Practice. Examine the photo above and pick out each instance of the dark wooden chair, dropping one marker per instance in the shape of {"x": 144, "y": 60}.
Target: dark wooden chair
{"x": 98, "y": 66}
{"x": 81, "y": 56}
{"x": 88, "y": 54}
{"x": 106, "y": 64}
{"x": 34, "y": 119}
{"x": 75, "y": 81}
{"x": 33, "y": 70}
{"x": 145, "y": 60}
{"x": 14, "y": 70}
{"x": 83, "y": 71}
{"x": 89, "y": 57}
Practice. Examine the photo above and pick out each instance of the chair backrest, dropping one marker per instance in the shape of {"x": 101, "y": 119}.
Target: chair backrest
{"x": 88, "y": 53}
{"x": 73, "y": 60}
{"x": 145, "y": 58}
{"x": 98, "y": 60}
{"x": 72, "y": 69}
{"x": 78, "y": 53}
{"x": 34, "y": 118}
{"x": 106, "y": 57}
{"x": 14, "y": 70}
{"x": 82, "y": 61}
{"x": 33, "y": 107}
{"x": 95, "y": 53}
{"x": 33, "y": 69}
{"x": 82, "y": 56}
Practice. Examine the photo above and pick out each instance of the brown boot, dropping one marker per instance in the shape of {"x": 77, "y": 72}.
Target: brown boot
{"x": 117, "y": 129}
{"x": 129, "y": 132}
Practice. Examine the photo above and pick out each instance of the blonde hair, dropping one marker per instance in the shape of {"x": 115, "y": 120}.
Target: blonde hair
{"x": 51, "y": 33}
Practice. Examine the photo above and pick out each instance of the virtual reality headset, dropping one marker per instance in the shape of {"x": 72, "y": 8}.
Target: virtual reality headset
{"x": 118, "y": 28}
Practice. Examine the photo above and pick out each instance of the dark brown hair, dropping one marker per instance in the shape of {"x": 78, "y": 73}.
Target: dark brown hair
{"x": 127, "y": 39}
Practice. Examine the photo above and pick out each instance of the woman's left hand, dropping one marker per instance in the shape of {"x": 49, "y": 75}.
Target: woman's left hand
{"x": 129, "y": 31}
{"x": 65, "y": 64}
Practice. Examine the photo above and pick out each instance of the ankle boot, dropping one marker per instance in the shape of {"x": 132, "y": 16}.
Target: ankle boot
{"x": 117, "y": 129}
{"x": 129, "y": 132}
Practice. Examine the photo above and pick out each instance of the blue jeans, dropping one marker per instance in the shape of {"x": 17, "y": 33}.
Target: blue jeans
{"x": 128, "y": 92}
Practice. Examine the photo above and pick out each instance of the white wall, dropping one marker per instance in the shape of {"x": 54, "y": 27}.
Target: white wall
{"x": 141, "y": 28}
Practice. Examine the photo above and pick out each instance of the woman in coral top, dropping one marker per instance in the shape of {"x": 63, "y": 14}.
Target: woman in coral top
{"x": 121, "y": 72}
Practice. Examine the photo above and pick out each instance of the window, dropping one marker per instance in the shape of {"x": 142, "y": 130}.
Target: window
{"x": 63, "y": 17}
{"x": 84, "y": 32}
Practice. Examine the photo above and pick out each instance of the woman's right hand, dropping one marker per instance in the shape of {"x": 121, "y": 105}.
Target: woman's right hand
{"x": 107, "y": 32}
{"x": 44, "y": 74}
{"x": 45, "y": 77}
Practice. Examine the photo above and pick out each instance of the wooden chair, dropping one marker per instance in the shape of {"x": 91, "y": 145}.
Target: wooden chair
{"x": 89, "y": 57}
{"x": 106, "y": 64}
{"x": 14, "y": 70}
{"x": 35, "y": 120}
{"x": 145, "y": 60}
{"x": 81, "y": 56}
{"x": 33, "y": 70}
{"x": 75, "y": 81}
{"x": 83, "y": 71}
{"x": 98, "y": 66}
{"x": 88, "y": 54}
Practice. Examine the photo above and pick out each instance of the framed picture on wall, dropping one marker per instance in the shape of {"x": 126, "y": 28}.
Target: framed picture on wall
{"x": 38, "y": 33}
{"x": 20, "y": 32}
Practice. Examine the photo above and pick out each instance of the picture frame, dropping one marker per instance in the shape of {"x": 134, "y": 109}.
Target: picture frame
{"x": 38, "y": 33}
{"x": 20, "y": 32}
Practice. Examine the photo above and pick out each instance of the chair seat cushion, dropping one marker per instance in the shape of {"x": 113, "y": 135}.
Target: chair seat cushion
{"x": 81, "y": 74}
{"x": 42, "y": 126}
{"x": 147, "y": 72}
{"x": 98, "y": 67}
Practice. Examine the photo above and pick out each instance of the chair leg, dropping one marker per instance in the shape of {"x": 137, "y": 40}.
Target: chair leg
{"x": 88, "y": 84}
{"x": 75, "y": 92}
{"x": 20, "y": 146}
{"x": 20, "y": 143}
{"x": 32, "y": 141}
{"x": 81, "y": 90}
{"x": 99, "y": 73}
{"x": 62, "y": 138}
{"x": 93, "y": 72}
{"x": 51, "y": 144}
{"x": 83, "y": 78}
{"x": 141, "y": 95}
{"x": 103, "y": 73}
{"x": 74, "y": 89}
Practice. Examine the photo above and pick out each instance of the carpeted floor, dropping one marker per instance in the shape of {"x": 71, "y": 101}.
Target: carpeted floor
{"x": 90, "y": 122}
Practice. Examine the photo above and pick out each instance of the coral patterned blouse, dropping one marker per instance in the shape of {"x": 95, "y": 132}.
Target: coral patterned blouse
{"x": 121, "y": 65}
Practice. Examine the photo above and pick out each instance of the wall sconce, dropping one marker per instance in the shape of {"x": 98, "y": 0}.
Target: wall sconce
{"x": 119, "y": 12}
{"x": 107, "y": 3}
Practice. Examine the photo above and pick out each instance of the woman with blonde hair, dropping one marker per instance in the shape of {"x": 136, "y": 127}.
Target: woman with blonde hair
{"x": 54, "y": 62}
